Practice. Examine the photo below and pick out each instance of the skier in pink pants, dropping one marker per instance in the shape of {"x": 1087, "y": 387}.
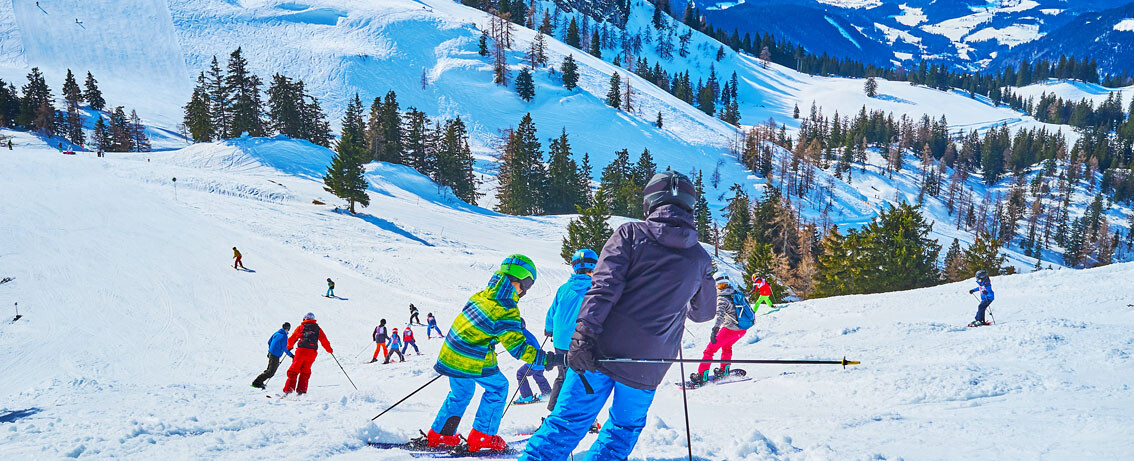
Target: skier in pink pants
{"x": 726, "y": 332}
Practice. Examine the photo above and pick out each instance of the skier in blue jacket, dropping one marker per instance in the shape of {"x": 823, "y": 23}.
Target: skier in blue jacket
{"x": 564, "y": 312}
{"x": 277, "y": 347}
{"x": 984, "y": 286}
{"x": 651, "y": 277}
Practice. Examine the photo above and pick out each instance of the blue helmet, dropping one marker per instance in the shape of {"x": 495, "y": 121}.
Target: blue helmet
{"x": 584, "y": 261}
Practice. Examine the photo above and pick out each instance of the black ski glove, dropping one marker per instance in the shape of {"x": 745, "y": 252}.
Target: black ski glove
{"x": 547, "y": 333}
{"x": 554, "y": 359}
{"x": 713, "y": 339}
{"x": 581, "y": 357}
{"x": 972, "y": 291}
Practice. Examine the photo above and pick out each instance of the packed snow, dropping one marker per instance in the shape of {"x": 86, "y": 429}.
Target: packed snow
{"x": 910, "y": 16}
{"x": 139, "y": 341}
{"x": 1125, "y": 25}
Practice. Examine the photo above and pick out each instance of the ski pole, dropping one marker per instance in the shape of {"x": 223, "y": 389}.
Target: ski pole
{"x": 844, "y": 362}
{"x": 344, "y": 371}
{"x": 363, "y": 350}
{"x": 435, "y": 378}
{"x": 514, "y": 394}
{"x": 685, "y": 403}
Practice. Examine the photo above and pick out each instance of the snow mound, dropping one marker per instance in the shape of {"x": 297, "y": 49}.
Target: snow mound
{"x": 1125, "y": 25}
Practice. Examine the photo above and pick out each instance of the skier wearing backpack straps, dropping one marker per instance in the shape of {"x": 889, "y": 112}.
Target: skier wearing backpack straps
{"x": 306, "y": 339}
{"x": 732, "y": 311}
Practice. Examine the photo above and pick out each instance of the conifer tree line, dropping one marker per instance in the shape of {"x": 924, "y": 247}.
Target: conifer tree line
{"x": 32, "y": 108}
{"x": 227, "y": 102}
{"x": 438, "y": 148}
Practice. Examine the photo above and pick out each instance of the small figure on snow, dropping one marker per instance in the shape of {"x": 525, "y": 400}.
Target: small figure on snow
{"x": 414, "y": 319}
{"x": 527, "y": 371}
{"x": 407, "y": 341}
{"x": 306, "y": 339}
{"x": 10, "y": 145}
{"x": 984, "y": 286}
{"x": 490, "y": 317}
{"x": 432, "y": 326}
{"x": 395, "y": 346}
{"x": 650, "y": 277}
{"x": 330, "y": 288}
{"x": 734, "y": 318}
{"x": 764, "y": 289}
{"x": 380, "y": 337}
{"x": 277, "y": 347}
{"x": 237, "y": 256}
{"x": 564, "y": 311}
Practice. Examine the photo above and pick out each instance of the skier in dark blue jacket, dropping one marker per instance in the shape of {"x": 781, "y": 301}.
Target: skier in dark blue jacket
{"x": 277, "y": 347}
{"x": 984, "y": 286}
{"x": 650, "y": 277}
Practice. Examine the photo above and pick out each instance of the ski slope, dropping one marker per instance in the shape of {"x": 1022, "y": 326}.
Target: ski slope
{"x": 139, "y": 341}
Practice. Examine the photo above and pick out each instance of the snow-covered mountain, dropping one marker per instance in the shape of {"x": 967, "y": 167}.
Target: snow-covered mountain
{"x": 138, "y": 340}
{"x": 967, "y": 34}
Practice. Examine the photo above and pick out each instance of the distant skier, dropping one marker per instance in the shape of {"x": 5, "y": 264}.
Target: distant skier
{"x": 564, "y": 312}
{"x": 380, "y": 337}
{"x": 984, "y": 286}
{"x": 413, "y": 315}
{"x": 330, "y": 288}
{"x": 727, "y": 330}
{"x": 306, "y": 339}
{"x": 527, "y": 371}
{"x": 395, "y": 346}
{"x": 237, "y": 256}
{"x": 490, "y": 317}
{"x": 407, "y": 341}
{"x": 277, "y": 347}
{"x": 432, "y": 326}
{"x": 9, "y": 144}
{"x": 650, "y": 277}
{"x": 764, "y": 289}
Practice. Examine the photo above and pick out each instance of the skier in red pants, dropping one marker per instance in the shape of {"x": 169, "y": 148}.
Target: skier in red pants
{"x": 309, "y": 336}
{"x": 727, "y": 330}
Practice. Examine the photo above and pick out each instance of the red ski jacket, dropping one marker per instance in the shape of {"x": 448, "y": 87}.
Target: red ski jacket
{"x": 407, "y": 336}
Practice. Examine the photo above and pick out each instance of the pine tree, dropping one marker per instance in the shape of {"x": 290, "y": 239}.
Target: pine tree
{"x": 9, "y": 104}
{"x": 837, "y": 270}
{"x": 455, "y": 162}
{"x": 71, "y": 91}
{"x": 537, "y": 52}
{"x": 759, "y": 260}
{"x": 658, "y": 123}
{"x": 247, "y": 108}
{"x": 622, "y": 195}
{"x": 345, "y": 176}
{"x": 870, "y": 87}
{"x": 219, "y": 95}
{"x": 596, "y": 49}
{"x": 524, "y": 85}
{"x": 121, "y": 133}
{"x": 897, "y": 242}
{"x": 353, "y": 121}
{"x": 482, "y": 44}
{"x": 706, "y": 100}
{"x": 138, "y": 137}
{"x": 522, "y": 188}
{"x": 614, "y": 94}
{"x": 563, "y": 193}
{"x": 739, "y": 222}
{"x": 198, "y": 118}
{"x": 572, "y": 37}
{"x": 954, "y": 263}
{"x": 983, "y": 254}
{"x": 702, "y": 215}
{"x": 284, "y": 107}
{"x": 416, "y": 142}
{"x": 101, "y": 136}
{"x": 93, "y": 95}
{"x": 73, "y": 121}
{"x": 37, "y": 107}
{"x": 570, "y": 71}
{"x": 590, "y": 230}
{"x": 384, "y": 132}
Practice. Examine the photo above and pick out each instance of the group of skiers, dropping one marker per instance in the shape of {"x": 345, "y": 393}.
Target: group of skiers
{"x": 306, "y": 341}
{"x": 628, "y": 304}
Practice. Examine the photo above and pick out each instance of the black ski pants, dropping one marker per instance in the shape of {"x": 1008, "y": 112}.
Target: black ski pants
{"x": 273, "y": 364}
{"x": 558, "y": 384}
{"x": 981, "y": 308}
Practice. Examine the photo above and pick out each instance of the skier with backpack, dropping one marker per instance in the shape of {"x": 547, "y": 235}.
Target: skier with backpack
{"x": 395, "y": 346}
{"x": 277, "y": 347}
{"x": 564, "y": 312}
{"x": 432, "y": 321}
{"x": 380, "y": 337}
{"x": 984, "y": 286}
{"x": 306, "y": 339}
{"x": 650, "y": 277}
{"x": 468, "y": 359}
{"x": 734, "y": 318}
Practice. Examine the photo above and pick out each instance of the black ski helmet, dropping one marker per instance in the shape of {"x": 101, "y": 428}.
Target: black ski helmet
{"x": 981, "y": 274}
{"x": 287, "y": 326}
{"x": 668, "y": 187}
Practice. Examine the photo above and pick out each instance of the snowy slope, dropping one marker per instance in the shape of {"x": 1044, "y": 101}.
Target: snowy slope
{"x": 139, "y": 342}
{"x": 1073, "y": 90}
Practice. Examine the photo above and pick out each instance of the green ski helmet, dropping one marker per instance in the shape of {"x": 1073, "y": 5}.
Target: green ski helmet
{"x": 519, "y": 267}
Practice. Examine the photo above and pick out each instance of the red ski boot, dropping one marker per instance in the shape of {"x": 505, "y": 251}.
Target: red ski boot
{"x": 480, "y": 441}
{"x": 435, "y": 440}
